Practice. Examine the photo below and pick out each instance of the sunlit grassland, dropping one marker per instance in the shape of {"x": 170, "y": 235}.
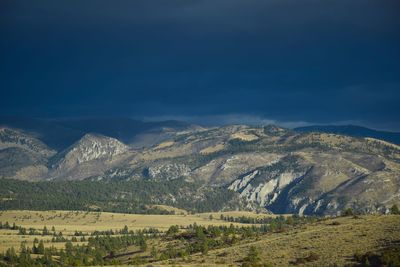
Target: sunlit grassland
{"x": 68, "y": 222}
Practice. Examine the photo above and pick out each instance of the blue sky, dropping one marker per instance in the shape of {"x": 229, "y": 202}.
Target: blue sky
{"x": 290, "y": 62}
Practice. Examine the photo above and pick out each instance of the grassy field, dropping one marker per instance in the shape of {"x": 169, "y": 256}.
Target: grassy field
{"x": 332, "y": 241}
{"x": 70, "y": 221}
{"x": 328, "y": 241}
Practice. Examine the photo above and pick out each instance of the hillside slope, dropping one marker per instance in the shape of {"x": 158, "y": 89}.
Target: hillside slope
{"x": 270, "y": 168}
{"x": 22, "y": 156}
{"x": 352, "y": 130}
{"x": 345, "y": 236}
{"x": 91, "y": 155}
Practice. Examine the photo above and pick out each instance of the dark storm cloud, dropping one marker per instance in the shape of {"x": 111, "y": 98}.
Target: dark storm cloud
{"x": 316, "y": 61}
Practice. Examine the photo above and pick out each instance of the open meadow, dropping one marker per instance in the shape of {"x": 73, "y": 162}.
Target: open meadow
{"x": 205, "y": 239}
{"x": 69, "y": 222}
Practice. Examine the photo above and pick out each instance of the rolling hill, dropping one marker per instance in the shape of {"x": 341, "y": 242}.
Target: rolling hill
{"x": 352, "y": 130}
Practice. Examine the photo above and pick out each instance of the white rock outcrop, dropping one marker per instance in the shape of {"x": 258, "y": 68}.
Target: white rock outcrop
{"x": 168, "y": 171}
{"x": 264, "y": 193}
{"x": 91, "y": 147}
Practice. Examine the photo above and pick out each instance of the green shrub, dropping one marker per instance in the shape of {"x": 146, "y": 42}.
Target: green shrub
{"x": 395, "y": 210}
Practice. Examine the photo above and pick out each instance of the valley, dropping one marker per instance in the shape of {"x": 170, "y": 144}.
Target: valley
{"x": 186, "y": 195}
{"x": 204, "y": 133}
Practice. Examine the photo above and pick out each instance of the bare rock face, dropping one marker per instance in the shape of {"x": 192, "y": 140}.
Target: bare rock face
{"x": 224, "y": 169}
{"x": 168, "y": 171}
{"x": 92, "y": 147}
{"x": 91, "y": 155}
{"x": 265, "y": 193}
{"x": 262, "y": 186}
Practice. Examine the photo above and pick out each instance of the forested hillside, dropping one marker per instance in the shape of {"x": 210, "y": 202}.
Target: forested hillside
{"x": 114, "y": 196}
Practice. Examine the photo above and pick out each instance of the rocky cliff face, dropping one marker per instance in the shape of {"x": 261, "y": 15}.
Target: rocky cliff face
{"x": 92, "y": 147}
{"x": 91, "y": 155}
{"x": 262, "y": 187}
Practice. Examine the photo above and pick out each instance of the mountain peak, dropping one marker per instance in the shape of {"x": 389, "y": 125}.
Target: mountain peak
{"x": 91, "y": 147}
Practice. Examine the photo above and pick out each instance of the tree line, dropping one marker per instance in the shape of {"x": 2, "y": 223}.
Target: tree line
{"x": 112, "y": 196}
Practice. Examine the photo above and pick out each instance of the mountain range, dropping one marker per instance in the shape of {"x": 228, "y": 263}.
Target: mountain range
{"x": 267, "y": 168}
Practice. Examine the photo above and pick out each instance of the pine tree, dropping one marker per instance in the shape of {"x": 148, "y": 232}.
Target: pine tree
{"x": 125, "y": 231}
{"x": 395, "y": 210}
{"x": 45, "y": 231}
{"x": 204, "y": 247}
{"x": 11, "y": 256}
{"x": 68, "y": 248}
{"x": 40, "y": 247}
{"x": 253, "y": 257}
{"x": 348, "y": 212}
{"x": 24, "y": 256}
{"x": 154, "y": 252}
{"x": 142, "y": 244}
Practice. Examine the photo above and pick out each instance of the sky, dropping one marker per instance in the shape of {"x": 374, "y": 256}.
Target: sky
{"x": 292, "y": 62}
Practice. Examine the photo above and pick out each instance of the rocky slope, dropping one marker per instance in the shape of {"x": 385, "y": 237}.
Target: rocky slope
{"x": 14, "y": 138}
{"x": 270, "y": 168}
{"x": 91, "y": 155}
{"x": 281, "y": 171}
{"x": 22, "y": 156}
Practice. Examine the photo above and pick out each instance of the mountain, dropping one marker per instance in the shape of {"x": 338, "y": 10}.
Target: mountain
{"x": 279, "y": 170}
{"x": 62, "y": 133}
{"x": 123, "y": 129}
{"x": 269, "y": 169}
{"x": 11, "y": 138}
{"x": 22, "y": 156}
{"x": 49, "y": 132}
{"x": 352, "y": 130}
{"x": 91, "y": 155}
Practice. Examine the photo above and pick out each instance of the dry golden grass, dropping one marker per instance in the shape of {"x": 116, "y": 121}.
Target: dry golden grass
{"x": 166, "y": 152}
{"x": 244, "y": 136}
{"x": 334, "y": 240}
{"x": 70, "y": 221}
{"x": 170, "y": 209}
{"x": 332, "y": 243}
{"x": 212, "y": 149}
{"x": 165, "y": 144}
{"x": 217, "y": 215}
{"x": 10, "y": 238}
